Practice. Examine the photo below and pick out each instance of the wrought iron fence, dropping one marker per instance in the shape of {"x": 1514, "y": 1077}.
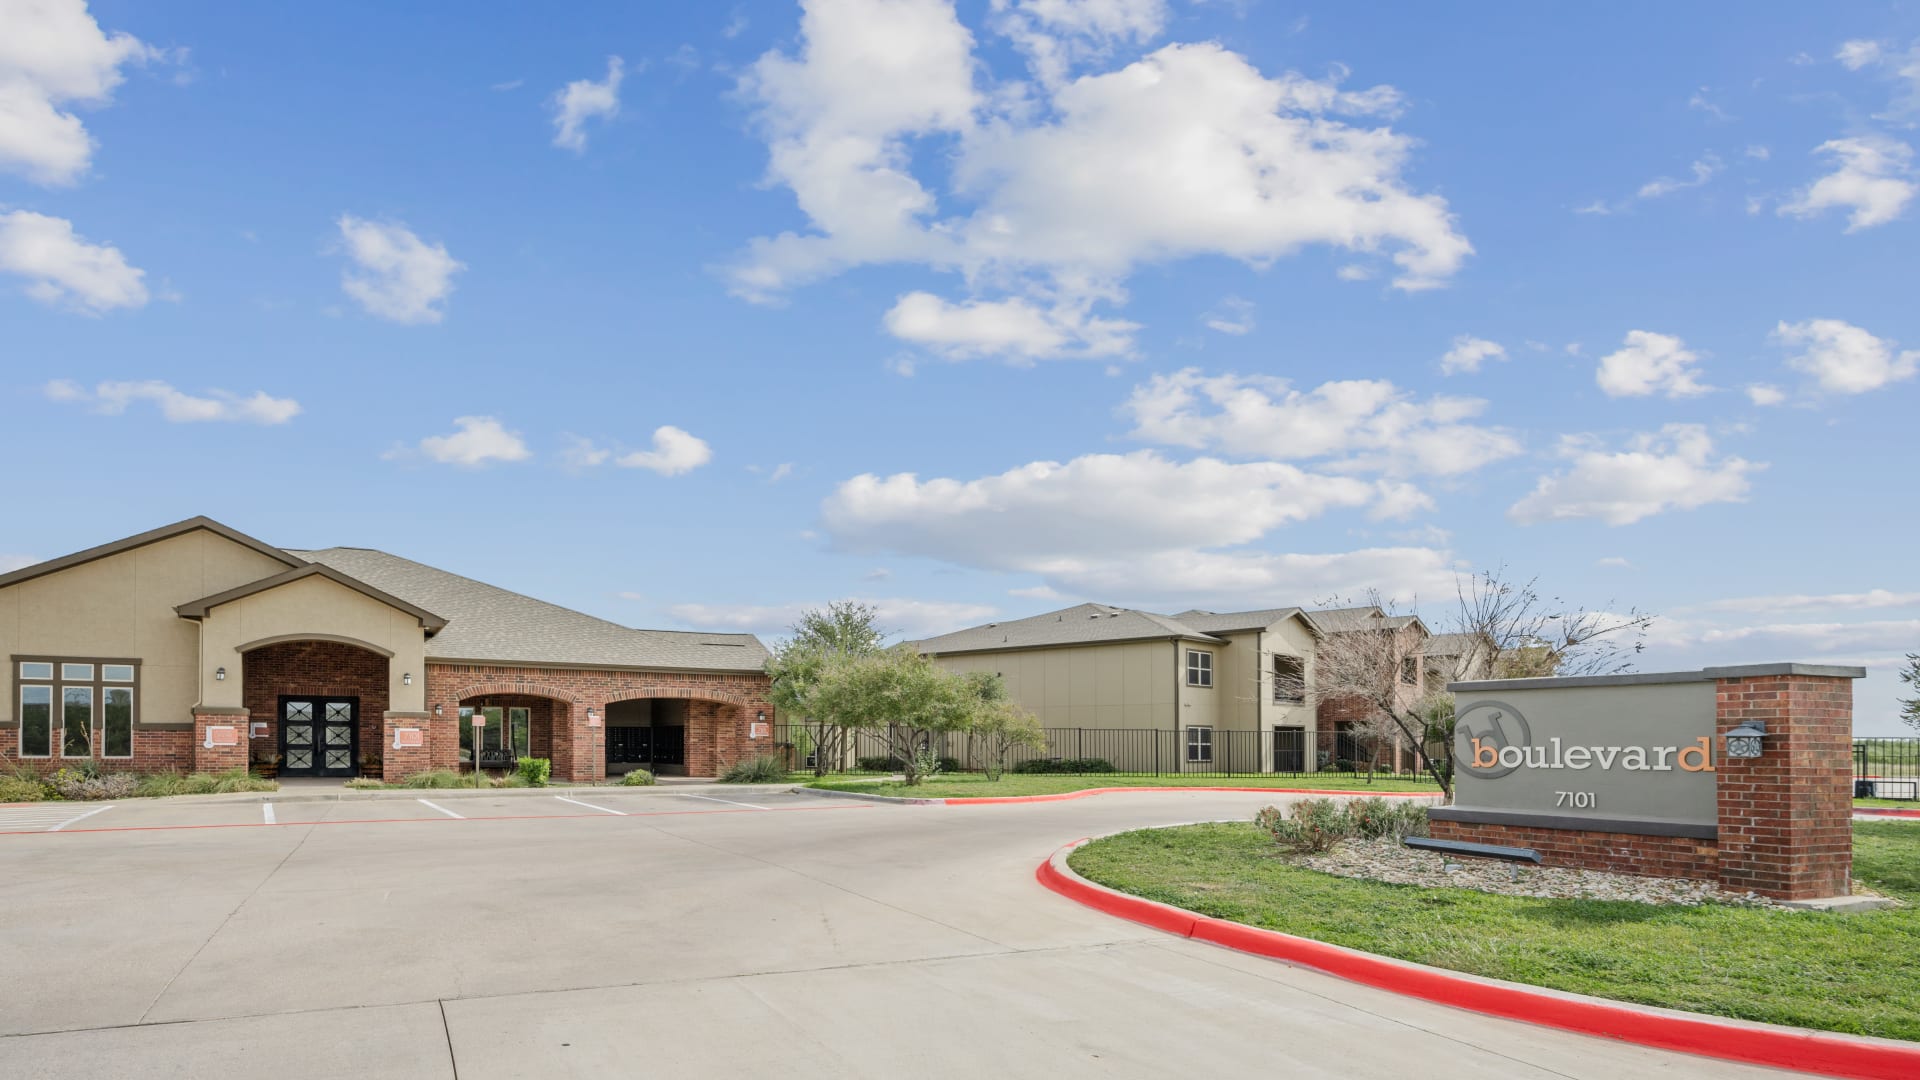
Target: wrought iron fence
{"x": 1887, "y": 768}
{"x": 1114, "y": 752}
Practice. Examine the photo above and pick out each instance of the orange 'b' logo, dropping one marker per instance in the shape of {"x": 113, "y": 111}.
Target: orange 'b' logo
{"x": 1484, "y": 756}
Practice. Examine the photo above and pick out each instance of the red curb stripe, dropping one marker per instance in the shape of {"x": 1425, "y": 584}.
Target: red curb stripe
{"x": 1753, "y": 1044}
{"x": 411, "y": 821}
{"x": 991, "y": 800}
{"x": 1886, "y": 811}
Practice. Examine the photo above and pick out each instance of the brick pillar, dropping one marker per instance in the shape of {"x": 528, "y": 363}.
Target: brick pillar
{"x": 1786, "y": 816}
{"x": 586, "y": 743}
{"x": 400, "y": 757}
{"x": 216, "y": 728}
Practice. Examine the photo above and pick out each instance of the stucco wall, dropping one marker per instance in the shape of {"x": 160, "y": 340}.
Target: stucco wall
{"x": 312, "y": 608}
{"x": 1122, "y": 685}
{"x": 121, "y": 606}
{"x": 1289, "y": 638}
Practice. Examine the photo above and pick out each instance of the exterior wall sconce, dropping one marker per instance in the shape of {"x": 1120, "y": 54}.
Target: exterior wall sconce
{"x": 1744, "y": 741}
{"x": 761, "y": 716}
{"x": 439, "y": 710}
{"x": 406, "y": 679}
{"x": 590, "y": 714}
{"x": 219, "y": 674}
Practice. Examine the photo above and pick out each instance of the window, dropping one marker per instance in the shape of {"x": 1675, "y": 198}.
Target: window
{"x": 1410, "y": 670}
{"x": 97, "y": 707}
{"x": 1289, "y": 680}
{"x": 1199, "y": 668}
{"x": 36, "y": 721}
{"x": 1200, "y": 745}
{"x": 518, "y": 721}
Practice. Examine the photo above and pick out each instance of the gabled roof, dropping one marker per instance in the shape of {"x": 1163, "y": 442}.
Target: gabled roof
{"x": 1083, "y": 624}
{"x": 1450, "y": 645}
{"x": 492, "y": 625}
{"x": 1369, "y": 617}
{"x": 198, "y": 609}
{"x": 1221, "y": 622}
{"x": 151, "y": 536}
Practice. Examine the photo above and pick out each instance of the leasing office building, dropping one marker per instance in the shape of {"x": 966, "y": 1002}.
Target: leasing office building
{"x": 195, "y": 646}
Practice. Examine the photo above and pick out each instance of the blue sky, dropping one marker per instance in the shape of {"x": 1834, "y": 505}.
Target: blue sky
{"x": 979, "y": 309}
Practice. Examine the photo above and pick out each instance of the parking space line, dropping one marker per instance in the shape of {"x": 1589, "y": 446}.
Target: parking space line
{"x": 82, "y": 817}
{"x": 590, "y": 806}
{"x": 442, "y": 809}
{"x": 266, "y": 811}
{"x": 709, "y": 798}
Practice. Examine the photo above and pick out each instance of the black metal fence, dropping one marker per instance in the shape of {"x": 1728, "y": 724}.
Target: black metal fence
{"x": 1114, "y": 752}
{"x": 1887, "y": 768}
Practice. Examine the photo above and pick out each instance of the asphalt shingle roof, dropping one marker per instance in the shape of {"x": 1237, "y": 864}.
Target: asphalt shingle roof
{"x": 1084, "y": 624}
{"x": 1341, "y": 620}
{"x": 1216, "y": 622}
{"x": 491, "y": 624}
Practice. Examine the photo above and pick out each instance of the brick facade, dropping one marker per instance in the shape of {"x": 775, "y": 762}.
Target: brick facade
{"x": 399, "y": 762}
{"x": 722, "y": 706}
{"x": 316, "y": 669}
{"x": 156, "y": 748}
{"x": 1784, "y": 824}
{"x": 214, "y": 759}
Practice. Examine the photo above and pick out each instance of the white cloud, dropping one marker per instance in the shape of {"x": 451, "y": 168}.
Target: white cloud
{"x": 1673, "y": 469}
{"x": 1858, "y": 54}
{"x": 674, "y": 453}
{"x": 1872, "y": 179}
{"x": 1766, "y": 395}
{"x": 584, "y": 99}
{"x": 1872, "y": 599}
{"x": 1233, "y": 315}
{"x": 1014, "y": 328}
{"x": 1615, "y": 562}
{"x": 1843, "y": 358}
{"x": 1036, "y": 592}
{"x": 1759, "y": 152}
{"x": 780, "y": 472}
{"x": 402, "y": 277}
{"x": 1705, "y": 104}
{"x": 1364, "y": 424}
{"x": 1467, "y": 354}
{"x": 52, "y": 56}
{"x": 1650, "y": 363}
{"x": 1058, "y": 35}
{"x": 64, "y": 270}
{"x": 1187, "y": 151}
{"x": 1252, "y": 579}
{"x": 1702, "y": 171}
{"x": 894, "y": 615}
{"x": 480, "y": 440}
{"x": 1900, "y": 67}
{"x": 1354, "y": 272}
{"x": 112, "y": 398}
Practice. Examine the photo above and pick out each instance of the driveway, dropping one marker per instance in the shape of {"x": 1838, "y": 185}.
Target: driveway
{"x": 684, "y": 933}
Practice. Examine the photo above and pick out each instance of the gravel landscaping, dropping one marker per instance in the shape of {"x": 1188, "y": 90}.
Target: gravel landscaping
{"x": 1389, "y": 861}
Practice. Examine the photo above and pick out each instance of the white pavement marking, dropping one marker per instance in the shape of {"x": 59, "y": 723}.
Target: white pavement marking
{"x": 709, "y": 798}
{"x": 266, "y": 811}
{"x": 35, "y": 816}
{"x": 590, "y": 806}
{"x": 442, "y": 809}
{"x": 88, "y": 814}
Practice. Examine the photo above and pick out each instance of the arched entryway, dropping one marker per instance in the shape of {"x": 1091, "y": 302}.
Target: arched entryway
{"x": 316, "y": 707}
{"x": 513, "y": 726}
{"x": 672, "y": 736}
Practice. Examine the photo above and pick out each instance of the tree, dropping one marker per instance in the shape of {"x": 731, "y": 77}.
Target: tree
{"x": 1001, "y": 726}
{"x": 1910, "y": 707}
{"x": 901, "y": 693}
{"x": 844, "y": 628}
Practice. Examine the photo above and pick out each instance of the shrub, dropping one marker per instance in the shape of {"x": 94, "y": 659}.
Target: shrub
{"x": 437, "y": 778}
{"x": 159, "y": 785}
{"x": 366, "y": 783}
{"x": 16, "y": 789}
{"x": 1310, "y": 825}
{"x": 535, "y": 770}
{"x": 637, "y": 778}
{"x": 927, "y": 765}
{"x": 1065, "y": 765}
{"x": 85, "y": 782}
{"x": 512, "y": 779}
{"x": 765, "y": 769}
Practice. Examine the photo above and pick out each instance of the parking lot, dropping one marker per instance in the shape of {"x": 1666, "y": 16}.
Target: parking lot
{"x": 716, "y": 931}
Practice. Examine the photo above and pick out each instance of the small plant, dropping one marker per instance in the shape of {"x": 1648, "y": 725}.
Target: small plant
{"x": 512, "y": 779}
{"x": 436, "y": 778}
{"x": 1310, "y": 825}
{"x": 927, "y": 765}
{"x": 1065, "y": 766}
{"x": 366, "y": 783}
{"x": 18, "y": 789}
{"x": 765, "y": 769}
{"x": 637, "y": 778}
{"x": 535, "y": 770}
{"x": 85, "y": 782}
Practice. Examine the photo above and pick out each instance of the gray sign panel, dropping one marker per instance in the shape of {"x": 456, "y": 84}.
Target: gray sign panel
{"x": 1621, "y": 753}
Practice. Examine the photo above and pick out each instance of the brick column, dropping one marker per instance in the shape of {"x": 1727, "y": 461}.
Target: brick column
{"x": 397, "y": 762}
{"x": 1786, "y": 816}
{"x": 216, "y": 726}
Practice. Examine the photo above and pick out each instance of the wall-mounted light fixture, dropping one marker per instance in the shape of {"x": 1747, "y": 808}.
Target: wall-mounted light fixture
{"x": 1745, "y": 741}
{"x": 439, "y": 710}
{"x": 761, "y": 716}
{"x": 219, "y": 674}
{"x": 406, "y": 679}
{"x": 590, "y": 714}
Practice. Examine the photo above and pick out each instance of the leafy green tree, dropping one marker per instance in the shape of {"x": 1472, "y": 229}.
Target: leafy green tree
{"x": 844, "y": 628}
{"x": 999, "y": 727}
{"x": 1910, "y": 707}
{"x": 900, "y": 693}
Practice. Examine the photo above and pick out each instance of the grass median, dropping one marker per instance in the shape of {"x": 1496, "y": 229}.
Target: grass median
{"x": 1847, "y": 973}
{"x": 975, "y": 786}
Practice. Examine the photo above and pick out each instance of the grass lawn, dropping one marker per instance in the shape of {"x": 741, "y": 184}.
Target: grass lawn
{"x": 974, "y": 785}
{"x": 1890, "y": 804}
{"x": 1850, "y": 973}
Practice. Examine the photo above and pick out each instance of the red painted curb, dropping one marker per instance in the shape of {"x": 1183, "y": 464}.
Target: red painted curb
{"x": 993, "y": 800}
{"x": 1753, "y": 1044}
{"x": 1886, "y": 811}
{"x": 410, "y": 821}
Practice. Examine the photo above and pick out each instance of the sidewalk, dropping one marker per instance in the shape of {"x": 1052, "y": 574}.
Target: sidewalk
{"x": 332, "y": 791}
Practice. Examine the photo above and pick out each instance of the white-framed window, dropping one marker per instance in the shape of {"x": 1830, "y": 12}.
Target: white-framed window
{"x": 1289, "y": 679}
{"x": 86, "y": 708}
{"x": 1199, "y": 667}
{"x": 1200, "y": 745}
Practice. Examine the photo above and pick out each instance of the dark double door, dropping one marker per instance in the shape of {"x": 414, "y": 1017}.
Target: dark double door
{"x": 319, "y": 736}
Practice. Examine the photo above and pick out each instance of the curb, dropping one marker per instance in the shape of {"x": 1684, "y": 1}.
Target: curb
{"x": 1884, "y": 811}
{"x": 1062, "y": 796}
{"x": 1771, "y": 1045}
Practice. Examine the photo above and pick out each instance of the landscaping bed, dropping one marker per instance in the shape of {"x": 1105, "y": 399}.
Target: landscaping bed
{"x": 976, "y": 785}
{"x": 92, "y": 784}
{"x": 1835, "y": 972}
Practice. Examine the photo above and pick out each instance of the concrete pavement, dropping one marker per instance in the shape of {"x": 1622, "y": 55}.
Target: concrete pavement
{"x": 771, "y": 933}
